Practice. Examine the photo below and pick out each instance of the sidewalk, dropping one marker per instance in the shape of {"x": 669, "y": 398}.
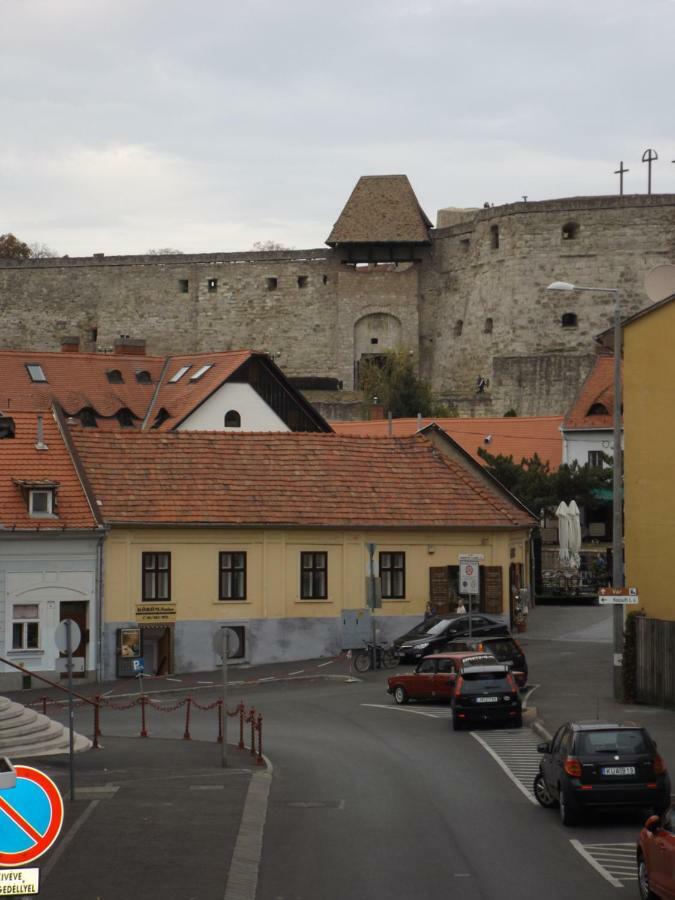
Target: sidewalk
{"x": 151, "y": 819}
{"x": 570, "y": 657}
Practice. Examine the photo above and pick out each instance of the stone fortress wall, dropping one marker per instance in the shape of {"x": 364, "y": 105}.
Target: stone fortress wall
{"x": 474, "y": 306}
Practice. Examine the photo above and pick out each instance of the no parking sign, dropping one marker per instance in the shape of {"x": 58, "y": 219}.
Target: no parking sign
{"x": 31, "y": 816}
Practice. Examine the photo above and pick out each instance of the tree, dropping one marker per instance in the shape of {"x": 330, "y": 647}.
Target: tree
{"x": 41, "y": 251}
{"x": 533, "y": 483}
{"x": 391, "y": 378}
{"x": 164, "y": 251}
{"x": 261, "y": 246}
{"x": 12, "y": 248}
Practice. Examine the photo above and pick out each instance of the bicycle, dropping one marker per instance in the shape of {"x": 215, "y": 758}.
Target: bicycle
{"x": 386, "y": 657}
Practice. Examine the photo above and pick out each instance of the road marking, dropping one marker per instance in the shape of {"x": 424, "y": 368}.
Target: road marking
{"x": 268, "y": 678}
{"x": 329, "y": 663}
{"x": 204, "y": 682}
{"x": 180, "y": 680}
{"x": 612, "y": 861}
{"x": 299, "y": 672}
{"x": 406, "y": 709}
{"x": 515, "y": 753}
{"x": 530, "y": 690}
{"x": 56, "y": 855}
{"x": 315, "y": 804}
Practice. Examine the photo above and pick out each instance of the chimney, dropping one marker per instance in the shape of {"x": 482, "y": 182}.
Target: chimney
{"x": 7, "y": 427}
{"x": 127, "y": 346}
{"x": 70, "y": 344}
{"x": 40, "y": 440}
{"x": 375, "y": 410}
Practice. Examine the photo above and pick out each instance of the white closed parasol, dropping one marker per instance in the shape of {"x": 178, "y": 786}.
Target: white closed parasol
{"x": 574, "y": 535}
{"x": 563, "y": 516}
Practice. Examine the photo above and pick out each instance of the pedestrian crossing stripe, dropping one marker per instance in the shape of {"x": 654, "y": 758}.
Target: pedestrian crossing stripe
{"x": 615, "y": 862}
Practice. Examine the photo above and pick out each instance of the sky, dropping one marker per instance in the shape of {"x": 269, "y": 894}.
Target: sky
{"x": 208, "y": 126}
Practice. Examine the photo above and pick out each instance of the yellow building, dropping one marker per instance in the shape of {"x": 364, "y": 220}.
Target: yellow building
{"x": 649, "y": 442}
{"x": 268, "y": 532}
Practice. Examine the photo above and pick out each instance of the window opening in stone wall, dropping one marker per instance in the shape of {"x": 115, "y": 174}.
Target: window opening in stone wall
{"x": 232, "y": 419}
{"x": 93, "y": 335}
{"x": 374, "y": 340}
{"x": 183, "y": 285}
{"x": 494, "y": 237}
{"x": 212, "y": 285}
{"x": 302, "y": 281}
{"x": 143, "y": 377}
{"x": 325, "y": 279}
{"x": 570, "y": 231}
{"x": 115, "y": 376}
{"x": 488, "y": 326}
{"x": 35, "y": 372}
{"x": 272, "y": 284}
{"x": 569, "y": 320}
{"x": 465, "y": 244}
{"x": 459, "y": 325}
{"x": 598, "y": 409}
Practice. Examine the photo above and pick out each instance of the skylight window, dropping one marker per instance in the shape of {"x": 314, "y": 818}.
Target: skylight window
{"x": 200, "y": 372}
{"x": 35, "y": 372}
{"x": 179, "y": 374}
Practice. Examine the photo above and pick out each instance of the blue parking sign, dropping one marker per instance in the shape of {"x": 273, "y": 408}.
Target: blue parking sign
{"x": 139, "y": 665}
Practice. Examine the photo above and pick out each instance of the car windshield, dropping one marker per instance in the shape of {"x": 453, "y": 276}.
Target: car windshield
{"x": 480, "y": 681}
{"x": 424, "y": 627}
{"x": 502, "y": 649}
{"x": 615, "y": 741}
{"x": 440, "y": 627}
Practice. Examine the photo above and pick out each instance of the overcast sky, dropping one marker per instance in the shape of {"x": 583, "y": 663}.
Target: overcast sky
{"x": 207, "y": 126}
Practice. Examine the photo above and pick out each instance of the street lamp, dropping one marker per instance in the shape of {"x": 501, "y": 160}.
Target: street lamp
{"x": 617, "y": 476}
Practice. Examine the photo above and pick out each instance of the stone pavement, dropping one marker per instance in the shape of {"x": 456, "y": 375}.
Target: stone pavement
{"x": 156, "y": 819}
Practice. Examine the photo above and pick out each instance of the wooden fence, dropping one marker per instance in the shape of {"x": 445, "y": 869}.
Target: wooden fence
{"x": 655, "y": 662}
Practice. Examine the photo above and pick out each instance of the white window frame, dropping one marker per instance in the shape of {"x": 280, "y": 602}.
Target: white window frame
{"x": 36, "y": 372}
{"x": 201, "y": 372}
{"x": 50, "y": 502}
{"x": 24, "y": 622}
{"x": 179, "y": 374}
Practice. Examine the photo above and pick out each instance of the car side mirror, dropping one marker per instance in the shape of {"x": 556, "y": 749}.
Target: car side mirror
{"x": 544, "y": 748}
{"x": 653, "y": 824}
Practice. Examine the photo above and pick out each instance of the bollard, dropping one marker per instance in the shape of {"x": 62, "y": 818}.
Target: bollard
{"x": 219, "y": 708}
{"x": 97, "y": 721}
{"x": 144, "y": 731}
{"x": 44, "y": 706}
{"x": 188, "y": 704}
{"x": 252, "y": 715}
{"x": 260, "y": 760}
{"x": 241, "y": 726}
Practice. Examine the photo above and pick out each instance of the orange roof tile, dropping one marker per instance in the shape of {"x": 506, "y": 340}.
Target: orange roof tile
{"x": 519, "y": 437}
{"x": 21, "y": 462}
{"x": 288, "y": 479}
{"x": 597, "y": 390}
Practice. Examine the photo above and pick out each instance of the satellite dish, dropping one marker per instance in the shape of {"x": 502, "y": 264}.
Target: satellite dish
{"x": 660, "y": 282}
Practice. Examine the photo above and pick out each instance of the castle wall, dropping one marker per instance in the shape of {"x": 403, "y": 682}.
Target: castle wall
{"x": 318, "y": 316}
{"x": 618, "y": 239}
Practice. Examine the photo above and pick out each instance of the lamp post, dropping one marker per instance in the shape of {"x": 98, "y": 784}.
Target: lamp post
{"x": 617, "y": 478}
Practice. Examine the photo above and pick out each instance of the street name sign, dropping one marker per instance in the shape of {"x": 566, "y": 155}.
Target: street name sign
{"x": 620, "y": 596}
{"x": 31, "y": 816}
{"x": 469, "y": 573}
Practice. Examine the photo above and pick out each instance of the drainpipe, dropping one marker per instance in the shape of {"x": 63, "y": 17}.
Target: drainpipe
{"x": 99, "y": 607}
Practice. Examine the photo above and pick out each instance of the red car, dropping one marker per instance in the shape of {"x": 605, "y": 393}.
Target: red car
{"x": 434, "y": 676}
{"x": 656, "y": 857}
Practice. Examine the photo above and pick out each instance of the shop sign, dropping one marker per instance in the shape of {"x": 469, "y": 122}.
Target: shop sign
{"x": 151, "y": 613}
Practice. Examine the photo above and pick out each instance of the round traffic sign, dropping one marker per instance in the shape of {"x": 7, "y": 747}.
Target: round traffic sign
{"x": 31, "y": 816}
{"x": 61, "y": 636}
{"x": 232, "y": 641}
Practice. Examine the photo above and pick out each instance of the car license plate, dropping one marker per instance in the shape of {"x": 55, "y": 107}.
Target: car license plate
{"x": 618, "y": 770}
{"x": 487, "y": 699}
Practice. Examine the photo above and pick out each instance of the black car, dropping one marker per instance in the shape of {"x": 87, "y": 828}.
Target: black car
{"x": 486, "y": 693}
{"x": 438, "y": 631}
{"x": 596, "y": 764}
{"x": 503, "y": 647}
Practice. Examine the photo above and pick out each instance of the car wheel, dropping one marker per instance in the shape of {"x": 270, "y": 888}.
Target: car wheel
{"x": 643, "y": 880}
{"x": 457, "y": 724}
{"x": 400, "y": 695}
{"x": 542, "y": 793}
{"x": 569, "y": 814}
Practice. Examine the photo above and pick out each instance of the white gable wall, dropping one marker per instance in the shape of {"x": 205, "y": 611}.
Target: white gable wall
{"x": 255, "y": 414}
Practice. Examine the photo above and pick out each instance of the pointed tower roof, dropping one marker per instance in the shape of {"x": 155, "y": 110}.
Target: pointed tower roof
{"x": 382, "y": 209}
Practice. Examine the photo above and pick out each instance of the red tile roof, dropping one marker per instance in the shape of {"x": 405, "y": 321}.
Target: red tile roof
{"x": 79, "y": 380}
{"x": 21, "y": 461}
{"x": 597, "y": 389}
{"x": 289, "y": 479}
{"x": 518, "y": 437}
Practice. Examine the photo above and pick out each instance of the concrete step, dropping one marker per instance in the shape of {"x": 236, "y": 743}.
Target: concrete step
{"x": 25, "y": 732}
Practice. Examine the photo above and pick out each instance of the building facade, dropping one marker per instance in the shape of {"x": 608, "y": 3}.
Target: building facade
{"x": 466, "y": 298}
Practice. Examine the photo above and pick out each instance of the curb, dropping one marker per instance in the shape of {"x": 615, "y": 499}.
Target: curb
{"x": 539, "y": 728}
{"x": 242, "y": 878}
